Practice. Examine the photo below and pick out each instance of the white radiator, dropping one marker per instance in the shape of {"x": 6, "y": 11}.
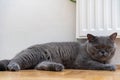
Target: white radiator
{"x": 99, "y": 17}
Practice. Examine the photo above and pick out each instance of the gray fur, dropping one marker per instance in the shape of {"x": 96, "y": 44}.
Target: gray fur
{"x": 56, "y": 56}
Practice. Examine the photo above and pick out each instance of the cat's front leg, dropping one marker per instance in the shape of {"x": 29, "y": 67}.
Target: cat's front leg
{"x": 49, "y": 66}
{"x": 100, "y": 66}
{"x": 94, "y": 65}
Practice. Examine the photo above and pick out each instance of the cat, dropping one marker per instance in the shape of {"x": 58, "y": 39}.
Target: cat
{"x": 95, "y": 54}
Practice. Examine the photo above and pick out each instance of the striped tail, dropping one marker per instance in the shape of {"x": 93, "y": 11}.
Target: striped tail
{"x": 3, "y": 65}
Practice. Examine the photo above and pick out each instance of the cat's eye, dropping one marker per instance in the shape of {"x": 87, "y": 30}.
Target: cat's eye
{"x": 97, "y": 47}
{"x": 108, "y": 47}
{"x": 103, "y": 47}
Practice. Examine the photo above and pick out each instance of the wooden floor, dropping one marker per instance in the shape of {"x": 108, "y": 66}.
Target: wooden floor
{"x": 65, "y": 75}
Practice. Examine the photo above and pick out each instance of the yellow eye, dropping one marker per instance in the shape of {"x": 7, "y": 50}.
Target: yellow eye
{"x": 108, "y": 47}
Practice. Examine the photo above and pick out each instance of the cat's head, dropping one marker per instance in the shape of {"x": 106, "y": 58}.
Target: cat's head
{"x": 101, "y": 48}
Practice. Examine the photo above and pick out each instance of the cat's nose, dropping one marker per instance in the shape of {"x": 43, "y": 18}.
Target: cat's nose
{"x": 103, "y": 53}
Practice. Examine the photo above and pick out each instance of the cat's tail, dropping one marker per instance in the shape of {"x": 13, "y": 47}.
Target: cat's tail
{"x": 3, "y": 65}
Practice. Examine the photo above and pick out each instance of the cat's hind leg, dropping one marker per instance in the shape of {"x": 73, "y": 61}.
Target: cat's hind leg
{"x": 13, "y": 66}
{"x": 50, "y": 66}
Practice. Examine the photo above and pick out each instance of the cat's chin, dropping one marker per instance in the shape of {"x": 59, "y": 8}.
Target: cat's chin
{"x": 100, "y": 59}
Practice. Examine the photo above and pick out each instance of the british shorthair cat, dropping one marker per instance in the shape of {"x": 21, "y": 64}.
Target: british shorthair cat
{"x": 94, "y": 54}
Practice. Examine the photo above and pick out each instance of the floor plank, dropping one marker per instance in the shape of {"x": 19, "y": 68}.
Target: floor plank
{"x": 65, "y": 75}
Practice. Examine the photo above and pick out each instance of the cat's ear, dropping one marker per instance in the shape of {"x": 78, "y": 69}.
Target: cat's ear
{"x": 113, "y": 36}
{"x": 91, "y": 37}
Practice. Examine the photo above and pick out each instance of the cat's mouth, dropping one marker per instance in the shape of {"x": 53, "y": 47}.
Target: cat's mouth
{"x": 102, "y": 58}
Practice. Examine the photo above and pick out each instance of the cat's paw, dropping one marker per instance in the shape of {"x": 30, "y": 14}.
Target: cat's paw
{"x": 59, "y": 67}
{"x": 41, "y": 67}
{"x": 13, "y": 67}
{"x": 111, "y": 67}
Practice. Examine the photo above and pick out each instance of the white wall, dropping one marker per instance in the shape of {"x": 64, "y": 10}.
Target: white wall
{"x": 27, "y": 22}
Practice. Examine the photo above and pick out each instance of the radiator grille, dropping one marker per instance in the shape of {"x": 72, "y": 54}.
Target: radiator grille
{"x": 99, "y": 17}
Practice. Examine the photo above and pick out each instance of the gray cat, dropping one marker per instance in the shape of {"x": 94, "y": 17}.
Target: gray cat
{"x": 94, "y": 54}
